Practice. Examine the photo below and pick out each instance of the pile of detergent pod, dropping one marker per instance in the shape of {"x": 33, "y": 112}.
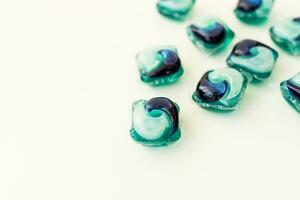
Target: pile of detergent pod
{"x": 155, "y": 121}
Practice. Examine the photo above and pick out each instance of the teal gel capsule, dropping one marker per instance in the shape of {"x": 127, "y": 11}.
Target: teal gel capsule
{"x": 286, "y": 35}
{"x": 175, "y": 9}
{"x": 210, "y": 35}
{"x": 254, "y": 59}
{"x": 254, "y": 11}
{"x": 155, "y": 122}
{"x": 159, "y": 65}
{"x": 220, "y": 89}
{"x": 291, "y": 91}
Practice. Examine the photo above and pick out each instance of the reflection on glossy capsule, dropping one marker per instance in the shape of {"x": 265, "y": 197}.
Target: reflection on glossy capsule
{"x": 286, "y": 35}
{"x": 254, "y": 11}
{"x": 210, "y": 35}
{"x": 220, "y": 89}
{"x": 159, "y": 65}
{"x": 155, "y": 122}
{"x": 291, "y": 91}
{"x": 175, "y": 9}
{"x": 254, "y": 59}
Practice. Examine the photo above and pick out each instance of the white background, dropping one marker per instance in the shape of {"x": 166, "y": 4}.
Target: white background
{"x": 67, "y": 81}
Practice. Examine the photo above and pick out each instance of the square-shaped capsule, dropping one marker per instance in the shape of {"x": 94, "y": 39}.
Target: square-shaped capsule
{"x": 210, "y": 35}
{"x": 155, "y": 122}
{"x": 286, "y": 34}
{"x": 220, "y": 89}
{"x": 254, "y": 11}
{"x": 159, "y": 65}
{"x": 254, "y": 59}
{"x": 175, "y": 9}
{"x": 291, "y": 91}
